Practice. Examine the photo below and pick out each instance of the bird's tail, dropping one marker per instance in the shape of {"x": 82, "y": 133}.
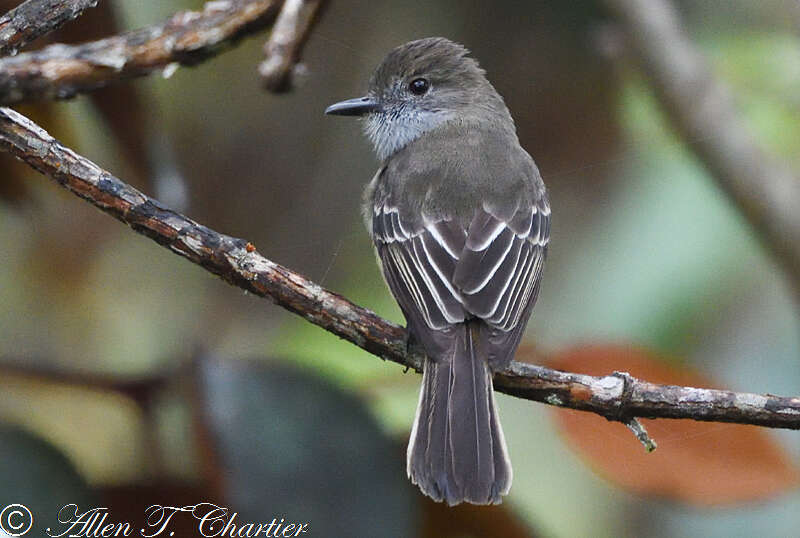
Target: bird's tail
{"x": 457, "y": 452}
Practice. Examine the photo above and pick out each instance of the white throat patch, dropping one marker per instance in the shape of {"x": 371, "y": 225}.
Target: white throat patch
{"x": 391, "y": 131}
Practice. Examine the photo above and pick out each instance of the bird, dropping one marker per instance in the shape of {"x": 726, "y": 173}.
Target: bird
{"x": 460, "y": 221}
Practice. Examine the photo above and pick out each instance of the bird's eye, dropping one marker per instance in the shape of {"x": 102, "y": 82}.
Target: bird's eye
{"x": 418, "y": 86}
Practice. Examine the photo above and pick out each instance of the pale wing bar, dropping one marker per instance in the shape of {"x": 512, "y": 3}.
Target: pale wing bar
{"x": 419, "y": 264}
{"x": 501, "y": 263}
{"x": 444, "y": 274}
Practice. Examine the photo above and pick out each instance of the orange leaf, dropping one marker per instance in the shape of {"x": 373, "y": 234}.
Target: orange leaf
{"x": 700, "y": 463}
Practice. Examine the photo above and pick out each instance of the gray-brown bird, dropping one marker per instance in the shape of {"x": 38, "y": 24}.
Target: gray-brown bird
{"x": 460, "y": 219}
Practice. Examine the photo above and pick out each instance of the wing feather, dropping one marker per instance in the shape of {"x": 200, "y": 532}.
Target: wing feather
{"x": 443, "y": 273}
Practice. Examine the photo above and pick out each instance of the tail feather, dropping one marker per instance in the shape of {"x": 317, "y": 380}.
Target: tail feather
{"x": 457, "y": 450}
{"x": 503, "y": 473}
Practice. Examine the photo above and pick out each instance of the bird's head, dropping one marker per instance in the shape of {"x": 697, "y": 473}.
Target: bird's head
{"x": 418, "y": 87}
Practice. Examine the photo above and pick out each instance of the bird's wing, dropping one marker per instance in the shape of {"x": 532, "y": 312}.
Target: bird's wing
{"x": 499, "y": 272}
{"x": 418, "y": 262}
{"x": 443, "y": 274}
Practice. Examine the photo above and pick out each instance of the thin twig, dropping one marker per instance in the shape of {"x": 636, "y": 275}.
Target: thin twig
{"x": 36, "y": 18}
{"x": 618, "y": 397}
{"x": 186, "y": 38}
{"x": 286, "y": 41}
{"x": 701, "y": 107}
{"x": 142, "y": 389}
{"x": 641, "y": 434}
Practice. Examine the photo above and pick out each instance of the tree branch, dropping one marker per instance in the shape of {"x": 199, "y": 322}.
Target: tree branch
{"x": 286, "y": 42}
{"x": 35, "y": 18}
{"x": 702, "y": 110}
{"x": 141, "y": 388}
{"x": 617, "y": 397}
{"x": 186, "y": 38}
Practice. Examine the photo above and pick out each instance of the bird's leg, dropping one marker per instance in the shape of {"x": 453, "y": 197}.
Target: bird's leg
{"x": 413, "y": 346}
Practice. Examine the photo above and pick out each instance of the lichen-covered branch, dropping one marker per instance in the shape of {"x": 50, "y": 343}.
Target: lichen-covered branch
{"x": 36, "y": 18}
{"x": 286, "y": 41}
{"x": 701, "y": 107}
{"x": 618, "y": 396}
{"x": 187, "y": 38}
{"x": 621, "y": 397}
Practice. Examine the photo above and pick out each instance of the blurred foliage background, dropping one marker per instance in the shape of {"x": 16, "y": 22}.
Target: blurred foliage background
{"x": 131, "y": 377}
